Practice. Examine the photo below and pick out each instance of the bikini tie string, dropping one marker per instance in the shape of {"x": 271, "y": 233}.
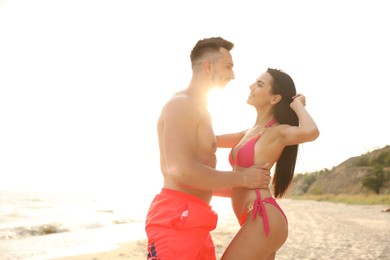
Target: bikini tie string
{"x": 258, "y": 207}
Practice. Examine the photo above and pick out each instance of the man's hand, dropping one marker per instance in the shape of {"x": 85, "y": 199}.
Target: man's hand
{"x": 256, "y": 177}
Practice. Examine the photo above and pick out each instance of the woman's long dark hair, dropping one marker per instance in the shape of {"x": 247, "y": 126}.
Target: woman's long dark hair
{"x": 282, "y": 84}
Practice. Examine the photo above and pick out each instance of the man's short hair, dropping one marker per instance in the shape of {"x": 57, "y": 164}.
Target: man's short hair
{"x": 208, "y": 45}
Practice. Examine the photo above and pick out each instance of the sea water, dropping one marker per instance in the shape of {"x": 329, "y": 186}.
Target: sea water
{"x": 46, "y": 225}
{"x": 43, "y": 225}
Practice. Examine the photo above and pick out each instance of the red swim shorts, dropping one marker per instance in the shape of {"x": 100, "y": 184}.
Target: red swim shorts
{"x": 178, "y": 226}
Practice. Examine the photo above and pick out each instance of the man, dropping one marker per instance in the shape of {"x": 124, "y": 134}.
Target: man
{"x": 180, "y": 218}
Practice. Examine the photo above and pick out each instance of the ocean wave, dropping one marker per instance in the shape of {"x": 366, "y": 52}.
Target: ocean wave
{"x": 38, "y": 230}
{"x": 124, "y": 221}
{"x": 52, "y": 228}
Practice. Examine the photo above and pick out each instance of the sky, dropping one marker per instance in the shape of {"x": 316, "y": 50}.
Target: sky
{"x": 82, "y": 82}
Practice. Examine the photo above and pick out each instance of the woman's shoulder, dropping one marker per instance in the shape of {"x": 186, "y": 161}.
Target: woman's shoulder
{"x": 276, "y": 132}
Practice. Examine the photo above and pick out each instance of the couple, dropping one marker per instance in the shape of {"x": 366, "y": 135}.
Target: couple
{"x": 180, "y": 219}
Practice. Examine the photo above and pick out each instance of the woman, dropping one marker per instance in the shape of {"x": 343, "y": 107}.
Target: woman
{"x": 282, "y": 123}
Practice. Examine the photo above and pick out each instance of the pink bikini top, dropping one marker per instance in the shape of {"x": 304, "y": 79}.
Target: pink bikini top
{"x": 245, "y": 154}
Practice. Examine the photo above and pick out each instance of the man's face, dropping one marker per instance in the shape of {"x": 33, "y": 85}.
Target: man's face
{"x": 222, "y": 69}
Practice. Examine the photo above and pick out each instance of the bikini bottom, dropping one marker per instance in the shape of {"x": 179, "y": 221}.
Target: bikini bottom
{"x": 257, "y": 206}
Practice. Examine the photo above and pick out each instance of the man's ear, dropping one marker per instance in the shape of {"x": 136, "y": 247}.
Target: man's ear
{"x": 206, "y": 65}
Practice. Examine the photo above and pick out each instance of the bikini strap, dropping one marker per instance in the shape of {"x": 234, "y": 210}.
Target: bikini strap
{"x": 271, "y": 122}
{"x": 268, "y": 124}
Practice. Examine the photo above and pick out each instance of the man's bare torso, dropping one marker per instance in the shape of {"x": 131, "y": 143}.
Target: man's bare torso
{"x": 202, "y": 136}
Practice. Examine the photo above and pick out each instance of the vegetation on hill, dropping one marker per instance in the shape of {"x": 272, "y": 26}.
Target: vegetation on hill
{"x": 358, "y": 177}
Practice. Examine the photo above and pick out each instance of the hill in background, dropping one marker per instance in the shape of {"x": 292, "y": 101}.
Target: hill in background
{"x": 365, "y": 174}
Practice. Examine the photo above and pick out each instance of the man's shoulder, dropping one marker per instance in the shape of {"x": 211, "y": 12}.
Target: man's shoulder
{"x": 181, "y": 107}
{"x": 180, "y": 100}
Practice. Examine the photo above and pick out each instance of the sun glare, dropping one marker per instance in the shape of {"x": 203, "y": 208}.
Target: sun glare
{"x": 218, "y": 104}
{"x": 229, "y": 110}
{"x": 213, "y": 97}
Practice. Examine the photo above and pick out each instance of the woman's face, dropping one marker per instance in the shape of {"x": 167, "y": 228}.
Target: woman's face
{"x": 260, "y": 91}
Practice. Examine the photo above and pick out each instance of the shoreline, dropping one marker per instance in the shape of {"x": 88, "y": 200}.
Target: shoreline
{"x": 317, "y": 230}
{"x": 135, "y": 250}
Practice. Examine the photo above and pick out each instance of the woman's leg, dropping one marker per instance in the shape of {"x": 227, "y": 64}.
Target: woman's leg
{"x": 251, "y": 243}
{"x": 271, "y": 256}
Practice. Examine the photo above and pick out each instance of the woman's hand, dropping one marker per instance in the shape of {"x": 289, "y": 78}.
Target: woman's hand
{"x": 298, "y": 98}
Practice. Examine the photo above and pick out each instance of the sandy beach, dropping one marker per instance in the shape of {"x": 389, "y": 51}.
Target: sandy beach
{"x": 317, "y": 230}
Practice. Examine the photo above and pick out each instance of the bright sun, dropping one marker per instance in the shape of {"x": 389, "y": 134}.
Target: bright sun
{"x": 229, "y": 110}
{"x": 230, "y": 113}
